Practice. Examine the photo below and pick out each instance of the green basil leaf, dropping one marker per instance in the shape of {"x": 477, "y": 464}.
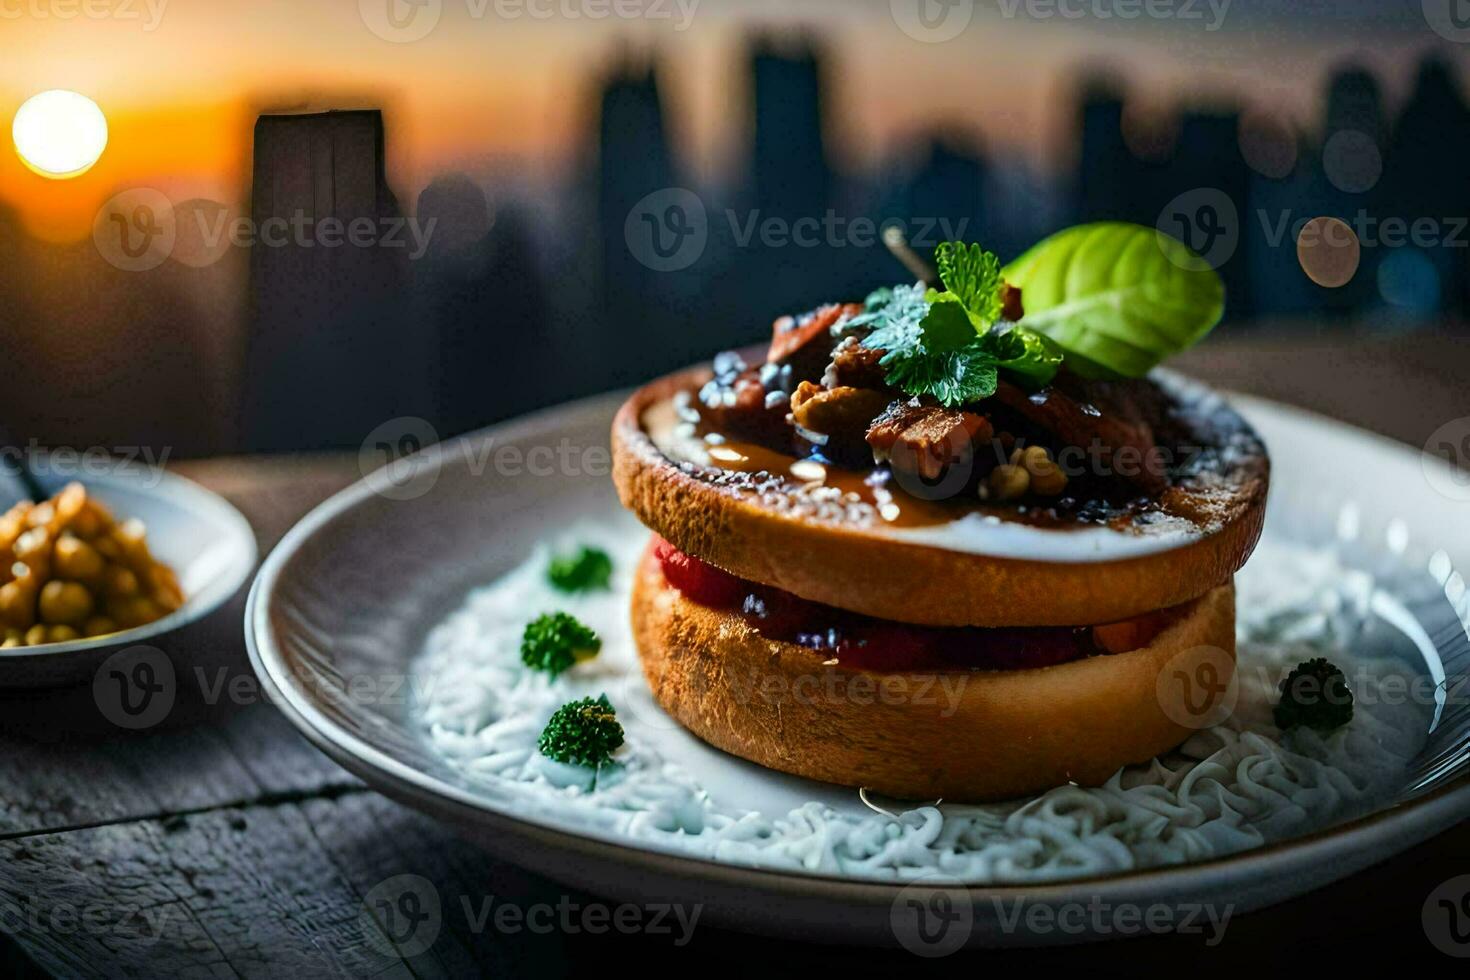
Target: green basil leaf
{"x": 1032, "y": 358}
{"x": 1117, "y": 297}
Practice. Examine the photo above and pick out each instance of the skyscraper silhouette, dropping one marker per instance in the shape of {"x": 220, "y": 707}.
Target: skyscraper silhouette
{"x": 326, "y": 318}
{"x": 1425, "y": 179}
{"x": 789, "y": 170}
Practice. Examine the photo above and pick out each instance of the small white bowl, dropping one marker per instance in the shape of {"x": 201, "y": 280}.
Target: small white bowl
{"x": 195, "y": 532}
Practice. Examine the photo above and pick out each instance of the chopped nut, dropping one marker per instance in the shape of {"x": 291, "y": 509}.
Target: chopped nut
{"x": 1007, "y": 482}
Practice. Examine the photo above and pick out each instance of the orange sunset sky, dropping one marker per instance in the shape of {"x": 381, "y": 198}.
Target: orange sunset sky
{"x": 181, "y": 80}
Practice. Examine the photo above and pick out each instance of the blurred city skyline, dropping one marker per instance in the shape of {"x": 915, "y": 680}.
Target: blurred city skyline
{"x": 508, "y": 99}
{"x": 535, "y": 285}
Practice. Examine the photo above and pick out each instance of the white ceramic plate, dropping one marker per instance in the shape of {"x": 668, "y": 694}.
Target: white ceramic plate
{"x": 197, "y": 533}
{"x": 350, "y": 594}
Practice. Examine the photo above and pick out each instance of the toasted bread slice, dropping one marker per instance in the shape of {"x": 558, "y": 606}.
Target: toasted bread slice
{"x": 979, "y": 569}
{"x": 960, "y": 735}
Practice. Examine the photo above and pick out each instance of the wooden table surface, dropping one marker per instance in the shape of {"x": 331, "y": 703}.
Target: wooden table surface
{"x": 221, "y": 844}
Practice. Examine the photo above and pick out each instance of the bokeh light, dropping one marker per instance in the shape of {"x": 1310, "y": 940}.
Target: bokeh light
{"x": 1328, "y": 251}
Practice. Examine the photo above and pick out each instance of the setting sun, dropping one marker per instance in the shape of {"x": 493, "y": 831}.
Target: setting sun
{"x": 59, "y": 134}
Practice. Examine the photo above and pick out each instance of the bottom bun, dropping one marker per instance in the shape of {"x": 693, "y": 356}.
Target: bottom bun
{"x": 961, "y": 735}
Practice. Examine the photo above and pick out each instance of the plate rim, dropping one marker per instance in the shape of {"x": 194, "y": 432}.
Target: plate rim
{"x": 1398, "y": 826}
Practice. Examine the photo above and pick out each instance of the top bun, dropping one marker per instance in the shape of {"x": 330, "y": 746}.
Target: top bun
{"x": 965, "y": 563}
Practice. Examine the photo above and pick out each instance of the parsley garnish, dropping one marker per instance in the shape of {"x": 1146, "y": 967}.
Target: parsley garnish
{"x": 971, "y": 277}
{"x": 587, "y": 569}
{"x": 582, "y": 733}
{"x": 941, "y": 344}
{"x": 555, "y": 641}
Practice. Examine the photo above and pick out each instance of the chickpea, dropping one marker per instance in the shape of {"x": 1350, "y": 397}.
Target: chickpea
{"x": 119, "y": 582}
{"x": 1008, "y": 482}
{"x": 69, "y": 503}
{"x": 99, "y": 626}
{"x": 1047, "y": 478}
{"x": 132, "y": 537}
{"x": 133, "y": 611}
{"x": 18, "y": 604}
{"x": 96, "y": 561}
{"x": 32, "y": 543}
{"x": 65, "y": 603}
{"x": 75, "y": 559}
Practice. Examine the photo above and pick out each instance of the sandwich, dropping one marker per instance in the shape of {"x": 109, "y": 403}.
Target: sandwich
{"x": 955, "y": 541}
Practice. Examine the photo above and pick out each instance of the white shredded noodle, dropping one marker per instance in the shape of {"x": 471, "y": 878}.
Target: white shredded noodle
{"x": 1228, "y": 788}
